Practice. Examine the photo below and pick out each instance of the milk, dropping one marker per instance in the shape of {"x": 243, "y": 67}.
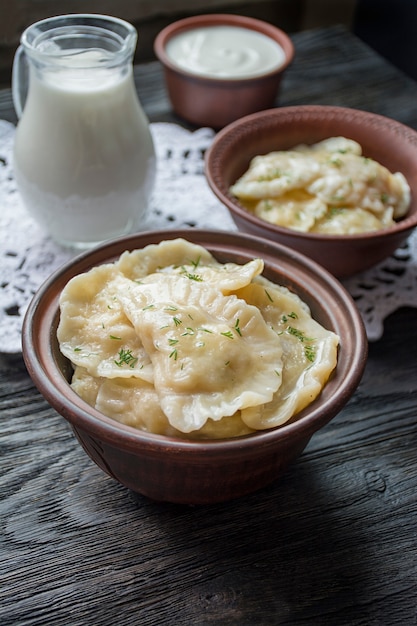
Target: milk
{"x": 84, "y": 158}
{"x": 225, "y": 52}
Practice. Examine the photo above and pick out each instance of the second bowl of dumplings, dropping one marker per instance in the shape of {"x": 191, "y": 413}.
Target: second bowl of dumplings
{"x": 337, "y": 184}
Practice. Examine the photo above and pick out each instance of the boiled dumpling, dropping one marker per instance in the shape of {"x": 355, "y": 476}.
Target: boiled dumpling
{"x": 94, "y": 331}
{"x": 309, "y": 353}
{"x": 170, "y": 341}
{"x": 212, "y": 355}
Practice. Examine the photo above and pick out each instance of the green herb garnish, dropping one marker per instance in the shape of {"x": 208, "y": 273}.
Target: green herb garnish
{"x": 196, "y": 263}
{"x": 309, "y": 351}
{"x": 126, "y": 358}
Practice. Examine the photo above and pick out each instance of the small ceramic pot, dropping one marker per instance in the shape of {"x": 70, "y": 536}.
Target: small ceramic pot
{"x": 201, "y": 471}
{"x": 385, "y": 140}
{"x": 215, "y": 101}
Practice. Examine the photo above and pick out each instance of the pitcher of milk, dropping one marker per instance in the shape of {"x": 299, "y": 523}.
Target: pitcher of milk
{"x": 84, "y": 159}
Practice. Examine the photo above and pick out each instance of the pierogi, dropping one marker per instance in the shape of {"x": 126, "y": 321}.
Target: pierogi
{"x": 328, "y": 187}
{"x": 170, "y": 341}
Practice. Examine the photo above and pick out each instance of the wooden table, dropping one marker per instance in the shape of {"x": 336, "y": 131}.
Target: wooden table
{"x": 332, "y": 543}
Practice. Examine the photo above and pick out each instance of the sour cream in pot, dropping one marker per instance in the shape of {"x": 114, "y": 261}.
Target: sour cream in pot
{"x": 225, "y": 52}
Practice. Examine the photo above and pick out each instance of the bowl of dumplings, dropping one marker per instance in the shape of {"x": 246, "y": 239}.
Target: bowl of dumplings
{"x": 194, "y": 366}
{"x": 337, "y": 184}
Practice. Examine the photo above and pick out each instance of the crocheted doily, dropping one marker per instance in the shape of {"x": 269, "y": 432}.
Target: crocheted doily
{"x": 28, "y": 255}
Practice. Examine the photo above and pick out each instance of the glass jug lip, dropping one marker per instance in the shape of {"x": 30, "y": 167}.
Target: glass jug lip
{"x": 41, "y": 39}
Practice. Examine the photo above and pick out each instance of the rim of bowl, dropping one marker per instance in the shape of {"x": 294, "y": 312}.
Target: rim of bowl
{"x": 235, "y": 130}
{"x": 39, "y": 336}
{"x": 225, "y": 19}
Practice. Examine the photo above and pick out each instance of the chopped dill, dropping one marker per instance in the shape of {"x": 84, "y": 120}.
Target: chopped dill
{"x": 310, "y": 353}
{"x": 299, "y": 334}
{"x": 195, "y": 277}
{"x": 196, "y": 263}
{"x": 276, "y": 173}
{"x": 335, "y": 161}
{"x": 126, "y": 358}
{"x": 190, "y": 275}
{"x": 188, "y": 331}
{"x": 334, "y": 210}
{"x": 291, "y": 315}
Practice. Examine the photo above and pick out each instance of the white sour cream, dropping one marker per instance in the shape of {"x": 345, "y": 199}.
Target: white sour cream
{"x": 225, "y": 52}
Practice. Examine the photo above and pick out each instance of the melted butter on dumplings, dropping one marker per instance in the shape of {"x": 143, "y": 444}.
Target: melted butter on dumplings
{"x": 328, "y": 187}
{"x": 170, "y": 341}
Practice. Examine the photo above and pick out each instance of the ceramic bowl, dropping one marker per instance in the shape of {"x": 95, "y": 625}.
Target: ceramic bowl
{"x": 215, "y": 102}
{"x": 385, "y": 140}
{"x": 197, "y": 472}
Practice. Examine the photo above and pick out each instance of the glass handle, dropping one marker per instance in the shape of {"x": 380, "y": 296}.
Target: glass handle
{"x": 20, "y": 77}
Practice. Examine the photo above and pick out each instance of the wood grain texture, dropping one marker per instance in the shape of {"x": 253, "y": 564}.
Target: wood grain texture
{"x": 332, "y": 543}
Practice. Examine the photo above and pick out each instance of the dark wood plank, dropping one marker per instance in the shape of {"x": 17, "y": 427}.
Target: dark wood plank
{"x": 332, "y": 543}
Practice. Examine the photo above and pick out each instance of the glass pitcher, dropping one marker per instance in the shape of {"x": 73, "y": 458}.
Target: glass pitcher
{"x": 84, "y": 159}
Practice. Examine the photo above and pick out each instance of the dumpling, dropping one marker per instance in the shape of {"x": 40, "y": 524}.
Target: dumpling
{"x": 309, "y": 353}
{"x": 94, "y": 331}
{"x": 304, "y": 188}
{"x": 212, "y": 354}
{"x": 170, "y": 341}
{"x": 176, "y": 252}
{"x": 274, "y": 174}
{"x": 297, "y": 210}
{"x": 190, "y": 260}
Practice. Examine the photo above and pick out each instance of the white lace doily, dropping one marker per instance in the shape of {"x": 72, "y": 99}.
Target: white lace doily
{"x": 28, "y": 255}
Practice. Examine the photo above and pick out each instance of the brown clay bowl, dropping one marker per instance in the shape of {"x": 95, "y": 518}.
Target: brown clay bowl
{"x": 215, "y": 102}
{"x": 197, "y": 472}
{"x": 389, "y": 142}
